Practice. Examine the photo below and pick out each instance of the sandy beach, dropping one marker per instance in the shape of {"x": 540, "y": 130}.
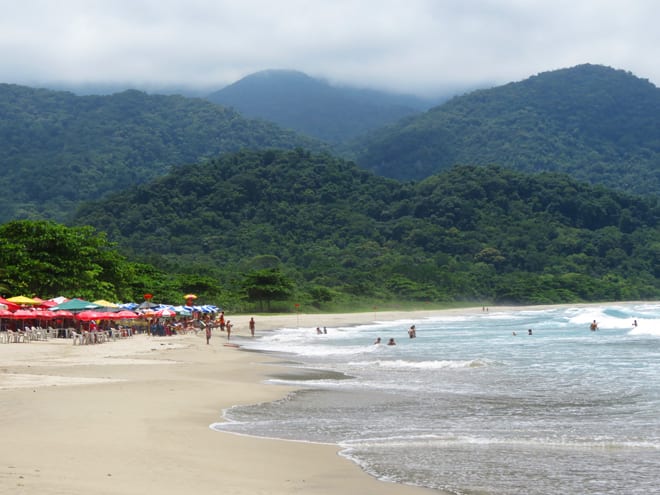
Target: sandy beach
{"x": 132, "y": 416}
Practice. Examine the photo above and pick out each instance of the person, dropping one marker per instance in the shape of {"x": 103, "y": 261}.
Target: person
{"x": 228, "y": 326}
{"x": 412, "y": 332}
{"x": 391, "y": 342}
{"x": 222, "y": 321}
{"x": 318, "y": 331}
{"x": 593, "y": 326}
{"x": 529, "y": 331}
{"x": 514, "y": 334}
{"x": 377, "y": 341}
{"x": 252, "y": 325}
{"x": 634, "y": 323}
{"x": 325, "y": 331}
{"x": 207, "y": 329}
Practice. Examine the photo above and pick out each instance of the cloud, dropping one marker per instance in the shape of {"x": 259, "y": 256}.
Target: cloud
{"x": 422, "y": 46}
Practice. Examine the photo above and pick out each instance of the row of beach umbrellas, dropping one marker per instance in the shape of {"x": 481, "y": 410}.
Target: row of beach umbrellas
{"x": 60, "y": 308}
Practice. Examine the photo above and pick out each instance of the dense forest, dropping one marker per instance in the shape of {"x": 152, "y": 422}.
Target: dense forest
{"x": 541, "y": 191}
{"x": 314, "y": 107}
{"x": 335, "y": 232}
{"x": 57, "y": 149}
{"x": 595, "y": 123}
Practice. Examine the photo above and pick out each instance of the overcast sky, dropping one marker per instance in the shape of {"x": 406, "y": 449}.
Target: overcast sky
{"x": 412, "y": 46}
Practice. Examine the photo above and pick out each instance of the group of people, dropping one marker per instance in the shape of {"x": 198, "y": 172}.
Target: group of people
{"x": 225, "y": 326}
{"x": 412, "y": 333}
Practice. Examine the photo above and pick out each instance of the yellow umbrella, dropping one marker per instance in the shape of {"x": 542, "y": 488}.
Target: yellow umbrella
{"x": 106, "y": 304}
{"x": 23, "y": 300}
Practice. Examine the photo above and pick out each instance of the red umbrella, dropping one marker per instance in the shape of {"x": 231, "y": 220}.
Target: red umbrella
{"x": 90, "y": 315}
{"x": 44, "y": 314}
{"x": 123, "y": 315}
{"x": 48, "y": 304}
{"x": 4, "y": 313}
{"x": 63, "y": 314}
{"x": 165, "y": 313}
{"x": 23, "y": 314}
{"x": 10, "y": 305}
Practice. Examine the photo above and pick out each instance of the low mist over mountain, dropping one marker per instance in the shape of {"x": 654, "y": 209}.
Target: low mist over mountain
{"x": 593, "y": 122}
{"x": 315, "y": 108}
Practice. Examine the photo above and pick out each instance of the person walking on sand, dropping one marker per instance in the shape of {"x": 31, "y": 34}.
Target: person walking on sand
{"x": 228, "y": 326}
{"x": 252, "y": 326}
{"x": 208, "y": 331}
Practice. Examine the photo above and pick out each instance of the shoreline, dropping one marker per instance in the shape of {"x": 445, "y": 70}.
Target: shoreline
{"x": 133, "y": 416}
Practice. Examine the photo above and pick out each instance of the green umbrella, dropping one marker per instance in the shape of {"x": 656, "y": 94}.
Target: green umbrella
{"x": 75, "y": 305}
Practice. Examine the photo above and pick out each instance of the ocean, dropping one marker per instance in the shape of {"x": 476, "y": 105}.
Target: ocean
{"x": 475, "y": 404}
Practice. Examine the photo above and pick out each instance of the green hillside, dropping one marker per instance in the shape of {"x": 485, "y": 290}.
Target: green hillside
{"x": 337, "y": 232}
{"x": 595, "y": 123}
{"x": 57, "y": 149}
{"x": 313, "y": 107}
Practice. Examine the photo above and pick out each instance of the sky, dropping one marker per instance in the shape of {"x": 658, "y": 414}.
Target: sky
{"x": 423, "y": 47}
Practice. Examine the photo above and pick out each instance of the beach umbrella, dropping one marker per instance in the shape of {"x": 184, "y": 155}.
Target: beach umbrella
{"x": 89, "y": 315}
{"x": 165, "y": 313}
{"x": 147, "y": 305}
{"x": 48, "y": 304}
{"x": 23, "y": 314}
{"x": 24, "y": 300}
{"x": 129, "y": 305}
{"x": 45, "y": 314}
{"x": 4, "y": 313}
{"x": 62, "y": 313}
{"x": 124, "y": 314}
{"x": 106, "y": 304}
{"x": 76, "y": 305}
{"x": 10, "y": 305}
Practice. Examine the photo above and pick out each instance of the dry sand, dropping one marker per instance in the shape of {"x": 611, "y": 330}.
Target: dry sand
{"x": 132, "y": 417}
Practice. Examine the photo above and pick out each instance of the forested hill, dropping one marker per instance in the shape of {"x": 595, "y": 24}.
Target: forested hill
{"x": 57, "y": 148}
{"x": 593, "y": 122}
{"x": 313, "y": 107}
{"x": 340, "y": 232}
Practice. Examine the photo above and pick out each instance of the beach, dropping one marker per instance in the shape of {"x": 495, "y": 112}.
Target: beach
{"x": 132, "y": 416}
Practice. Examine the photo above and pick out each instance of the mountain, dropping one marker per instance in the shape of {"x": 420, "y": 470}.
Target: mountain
{"x": 57, "y": 149}
{"x": 342, "y": 233}
{"x": 596, "y": 123}
{"x": 313, "y": 107}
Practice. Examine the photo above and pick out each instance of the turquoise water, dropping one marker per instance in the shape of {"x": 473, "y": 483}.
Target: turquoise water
{"x": 470, "y": 408}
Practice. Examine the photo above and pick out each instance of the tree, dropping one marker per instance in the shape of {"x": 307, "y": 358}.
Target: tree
{"x": 267, "y": 285}
{"x": 47, "y": 259}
